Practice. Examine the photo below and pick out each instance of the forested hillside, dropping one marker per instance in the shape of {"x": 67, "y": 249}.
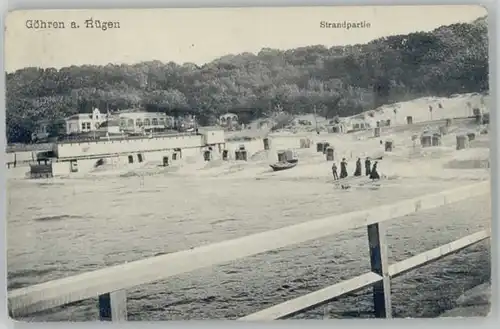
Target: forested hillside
{"x": 337, "y": 81}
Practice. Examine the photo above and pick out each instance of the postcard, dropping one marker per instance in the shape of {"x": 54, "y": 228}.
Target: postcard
{"x": 248, "y": 163}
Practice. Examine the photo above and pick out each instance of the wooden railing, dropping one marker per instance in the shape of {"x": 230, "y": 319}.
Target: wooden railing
{"x": 110, "y": 283}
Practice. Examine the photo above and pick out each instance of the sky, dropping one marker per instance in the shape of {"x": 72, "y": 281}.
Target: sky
{"x": 201, "y": 35}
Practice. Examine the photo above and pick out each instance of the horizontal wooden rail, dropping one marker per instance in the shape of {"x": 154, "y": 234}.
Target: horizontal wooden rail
{"x": 314, "y": 299}
{"x": 291, "y": 307}
{"x": 437, "y": 253}
{"x": 107, "y": 282}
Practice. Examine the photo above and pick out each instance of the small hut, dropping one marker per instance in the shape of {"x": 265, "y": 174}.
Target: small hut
{"x": 319, "y": 147}
{"x": 74, "y": 166}
{"x": 462, "y": 142}
{"x": 426, "y": 139}
{"x": 330, "y": 154}
{"x": 409, "y": 120}
{"x": 287, "y": 156}
{"x": 376, "y": 132}
{"x": 338, "y": 128}
{"x": 305, "y": 143}
{"x": 41, "y": 170}
{"x": 478, "y": 115}
{"x": 388, "y": 145}
{"x": 486, "y": 119}
{"x": 177, "y": 154}
{"x": 241, "y": 153}
{"x": 291, "y": 156}
{"x": 436, "y": 139}
{"x": 325, "y": 146}
{"x": 267, "y": 144}
{"x": 207, "y": 155}
{"x": 281, "y": 156}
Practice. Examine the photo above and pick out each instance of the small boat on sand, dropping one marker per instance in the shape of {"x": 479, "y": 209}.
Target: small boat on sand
{"x": 283, "y": 165}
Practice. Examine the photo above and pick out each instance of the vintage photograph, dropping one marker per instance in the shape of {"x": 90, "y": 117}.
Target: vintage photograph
{"x": 248, "y": 164}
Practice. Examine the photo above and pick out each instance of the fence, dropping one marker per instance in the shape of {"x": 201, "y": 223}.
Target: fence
{"x": 110, "y": 283}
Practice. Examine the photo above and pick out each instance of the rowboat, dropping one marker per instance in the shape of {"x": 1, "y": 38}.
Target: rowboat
{"x": 283, "y": 166}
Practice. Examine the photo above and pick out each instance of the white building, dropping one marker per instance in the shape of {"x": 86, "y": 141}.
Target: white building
{"x": 44, "y": 127}
{"x": 339, "y": 127}
{"x": 84, "y": 122}
{"x": 355, "y": 124}
{"x": 134, "y": 121}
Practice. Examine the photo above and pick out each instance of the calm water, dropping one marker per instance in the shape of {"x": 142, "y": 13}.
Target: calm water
{"x": 63, "y": 227}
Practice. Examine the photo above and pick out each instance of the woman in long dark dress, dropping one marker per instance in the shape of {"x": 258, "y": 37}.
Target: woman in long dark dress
{"x": 374, "y": 174}
{"x": 357, "y": 172}
{"x": 368, "y": 166}
{"x": 343, "y": 169}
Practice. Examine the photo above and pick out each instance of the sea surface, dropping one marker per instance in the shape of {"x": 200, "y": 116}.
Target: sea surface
{"x": 63, "y": 227}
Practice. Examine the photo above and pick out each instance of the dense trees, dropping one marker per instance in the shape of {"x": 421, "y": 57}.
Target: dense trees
{"x": 337, "y": 81}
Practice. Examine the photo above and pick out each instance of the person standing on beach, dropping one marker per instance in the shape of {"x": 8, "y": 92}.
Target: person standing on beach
{"x": 357, "y": 172}
{"x": 343, "y": 169}
{"x": 334, "y": 172}
{"x": 374, "y": 174}
{"x": 368, "y": 165}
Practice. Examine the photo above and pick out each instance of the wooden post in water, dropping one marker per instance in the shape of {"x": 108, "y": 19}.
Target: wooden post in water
{"x": 113, "y": 306}
{"x": 380, "y": 265}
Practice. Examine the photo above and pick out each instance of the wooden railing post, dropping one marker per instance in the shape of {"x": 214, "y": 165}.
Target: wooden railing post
{"x": 113, "y": 306}
{"x": 380, "y": 265}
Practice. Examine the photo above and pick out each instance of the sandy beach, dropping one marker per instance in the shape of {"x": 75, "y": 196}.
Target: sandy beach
{"x": 115, "y": 216}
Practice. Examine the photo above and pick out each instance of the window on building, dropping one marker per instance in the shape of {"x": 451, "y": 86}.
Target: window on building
{"x": 162, "y": 121}
{"x": 130, "y": 122}
{"x": 155, "y": 121}
{"x": 87, "y": 125}
{"x": 83, "y": 125}
{"x": 138, "y": 123}
{"x": 147, "y": 122}
{"x": 123, "y": 122}
{"x": 130, "y": 159}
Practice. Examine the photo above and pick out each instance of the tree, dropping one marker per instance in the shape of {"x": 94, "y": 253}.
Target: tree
{"x": 339, "y": 81}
